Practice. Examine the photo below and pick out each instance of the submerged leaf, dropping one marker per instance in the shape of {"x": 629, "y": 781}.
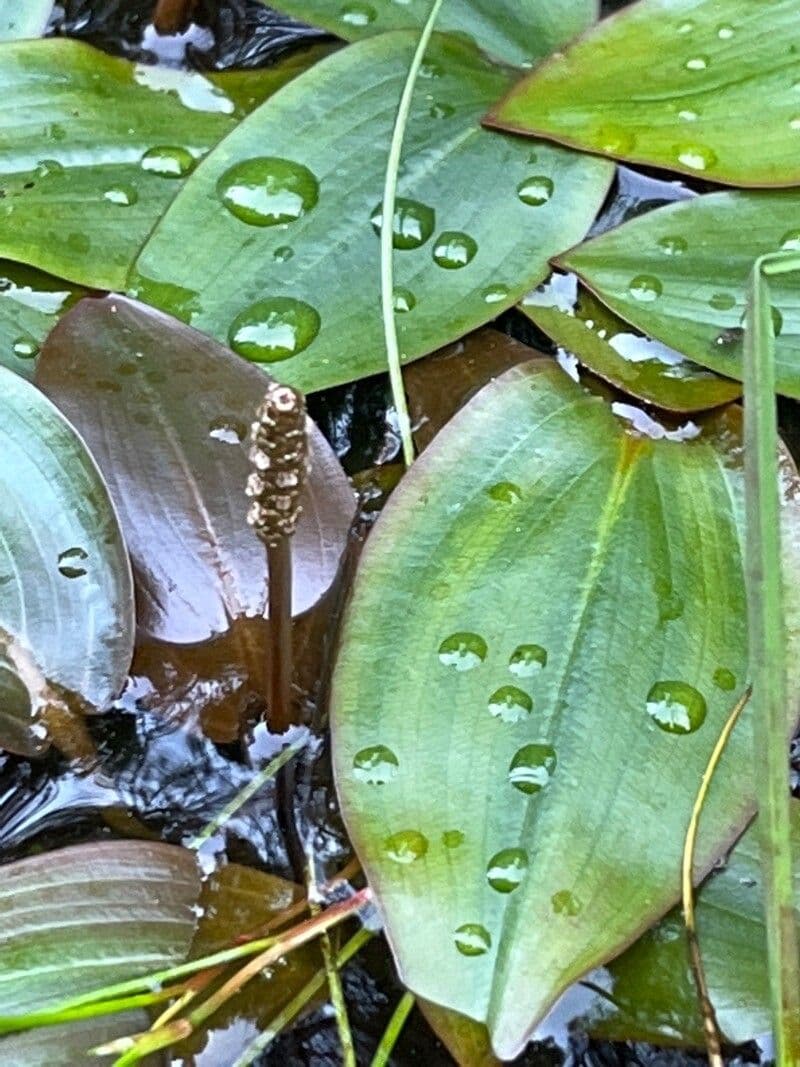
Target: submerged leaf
{"x": 522, "y": 708}
{"x": 675, "y": 84}
{"x": 294, "y": 281}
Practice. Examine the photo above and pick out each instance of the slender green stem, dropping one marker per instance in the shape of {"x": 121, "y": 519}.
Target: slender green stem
{"x": 767, "y": 638}
{"x": 279, "y": 562}
{"x": 393, "y": 1030}
{"x": 387, "y": 235}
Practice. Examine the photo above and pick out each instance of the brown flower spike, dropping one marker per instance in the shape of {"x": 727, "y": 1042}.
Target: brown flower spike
{"x": 279, "y": 454}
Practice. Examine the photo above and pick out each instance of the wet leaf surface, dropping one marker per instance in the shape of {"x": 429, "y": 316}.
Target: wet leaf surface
{"x": 20, "y": 20}
{"x": 294, "y": 278}
{"x": 679, "y": 274}
{"x": 675, "y": 85}
{"x": 491, "y": 701}
{"x": 70, "y": 1044}
{"x": 66, "y": 597}
{"x": 30, "y": 304}
{"x": 166, "y": 413}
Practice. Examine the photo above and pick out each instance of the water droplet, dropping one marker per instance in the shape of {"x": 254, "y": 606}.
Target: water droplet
{"x": 686, "y": 27}
{"x": 676, "y": 707}
{"x": 413, "y": 223}
{"x": 688, "y": 115}
{"x": 283, "y": 254}
{"x": 452, "y": 838}
{"x": 532, "y": 767}
{"x": 431, "y": 69}
{"x": 565, "y": 903}
{"x": 722, "y": 301}
{"x": 47, "y": 168}
{"x": 673, "y": 246}
{"x": 495, "y": 294}
{"x": 505, "y": 492}
{"x": 472, "y": 939}
{"x": 229, "y": 431}
{"x": 375, "y": 765}
{"x": 122, "y": 195}
{"x": 506, "y": 869}
{"x": 268, "y": 191}
{"x": 725, "y": 31}
{"x": 697, "y": 63}
{"x": 777, "y": 321}
{"x": 724, "y": 679}
{"x": 463, "y": 651}
{"x": 403, "y": 301}
{"x": 25, "y": 348}
{"x": 274, "y": 329}
{"x": 357, "y": 14}
{"x": 645, "y": 288}
{"x": 615, "y": 139}
{"x": 510, "y": 704}
{"x": 794, "y": 124}
{"x": 696, "y": 156}
{"x": 69, "y": 562}
{"x": 440, "y": 110}
{"x": 406, "y": 846}
{"x": 790, "y": 242}
{"x": 535, "y": 190}
{"x": 168, "y": 161}
{"x": 453, "y": 250}
{"x": 527, "y": 661}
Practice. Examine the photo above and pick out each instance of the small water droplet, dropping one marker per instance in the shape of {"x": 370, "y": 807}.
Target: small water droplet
{"x": 615, "y": 139}
{"x": 431, "y": 69}
{"x": 725, "y": 31}
{"x": 168, "y": 161}
{"x": 268, "y": 191}
{"x": 794, "y": 123}
{"x": 454, "y": 250}
{"x": 463, "y": 651}
{"x": 532, "y": 767}
{"x": 676, "y": 707}
{"x": 645, "y": 288}
{"x": 777, "y": 321}
{"x": 535, "y": 190}
{"x": 403, "y": 301}
{"x": 69, "y": 562}
{"x": 506, "y": 869}
{"x": 722, "y": 301}
{"x": 472, "y": 939}
{"x": 413, "y": 223}
{"x": 357, "y": 14}
{"x": 724, "y": 679}
{"x": 406, "y": 846}
{"x": 25, "y": 348}
{"x": 527, "y": 661}
{"x": 452, "y": 838}
{"x": 790, "y": 242}
{"x": 495, "y": 294}
{"x": 122, "y": 195}
{"x": 673, "y": 246}
{"x": 696, "y": 156}
{"x": 440, "y": 110}
{"x": 228, "y": 430}
{"x": 375, "y": 765}
{"x": 283, "y": 254}
{"x": 510, "y": 704}
{"x": 274, "y": 329}
{"x": 47, "y": 168}
{"x": 697, "y": 63}
{"x": 505, "y": 492}
{"x": 688, "y": 115}
{"x": 685, "y": 27}
{"x": 565, "y": 903}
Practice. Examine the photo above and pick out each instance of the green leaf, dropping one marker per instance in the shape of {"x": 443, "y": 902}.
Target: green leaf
{"x": 675, "y": 84}
{"x": 167, "y": 414}
{"x": 679, "y": 274}
{"x": 30, "y": 303}
{"x": 66, "y": 599}
{"x": 306, "y": 292}
{"x": 513, "y": 31}
{"x": 95, "y": 148}
{"x": 544, "y": 595}
{"x": 580, "y": 325}
{"x": 68, "y": 1044}
{"x": 23, "y": 18}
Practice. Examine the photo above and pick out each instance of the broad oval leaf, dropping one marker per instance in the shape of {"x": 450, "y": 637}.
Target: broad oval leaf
{"x": 66, "y": 596}
{"x": 492, "y": 700}
{"x": 30, "y": 304}
{"x": 71, "y": 1043}
{"x": 675, "y": 84}
{"x": 294, "y": 279}
{"x": 514, "y": 31}
{"x": 679, "y": 274}
{"x": 167, "y": 413}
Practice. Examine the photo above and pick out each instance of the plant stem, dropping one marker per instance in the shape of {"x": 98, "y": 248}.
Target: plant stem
{"x": 767, "y": 656}
{"x": 710, "y": 1024}
{"x": 387, "y": 235}
{"x": 279, "y": 565}
{"x": 334, "y": 980}
{"x": 393, "y": 1030}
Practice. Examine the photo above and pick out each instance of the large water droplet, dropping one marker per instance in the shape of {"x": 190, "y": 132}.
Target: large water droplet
{"x": 696, "y": 156}
{"x": 472, "y": 939}
{"x": 725, "y": 31}
{"x": 375, "y": 765}
{"x": 505, "y": 492}
{"x": 228, "y": 430}
{"x": 453, "y": 249}
{"x": 268, "y": 191}
{"x": 406, "y": 846}
{"x": 724, "y": 679}
{"x": 673, "y": 246}
{"x": 532, "y": 767}
{"x": 676, "y": 707}
{"x": 565, "y": 903}
{"x": 535, "y": 190}
{"x": 70, "y": 562}
{"x": 463, "y": 651}
{"x": 413, "y": 223}
{"x": 25, "y": 348}
{"x": 357, "y": 14}
{"x": 403, "y": 300}
{"x": 527, "y": 660}
{"x": 697, "y": 63}
{"x": 274, "y": 329}
{"x": 688, "y": 114}
{"x": 510, "y": 704}
{"x": 122, "y": 195}
{"x": 790, "y": 242}
{"x": 168, "y": 161}
{"x": 645, "y": 288}
{"x": 506, "y": 869}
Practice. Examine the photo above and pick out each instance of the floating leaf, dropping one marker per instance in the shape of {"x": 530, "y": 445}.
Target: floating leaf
{"x": 23, "y": 18}
{"x": 66, "y": 600}
{"x": 513, "y": 541}
{"x": 167, "y": 413}
{"x": 576, "y": 320}
{"x": 294, "y": 279}
{"x": 675, "y": 85}
{"x": 30, "y": 303}
{"x": 514, "y": 31}
{"x": 679, "y": 275}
